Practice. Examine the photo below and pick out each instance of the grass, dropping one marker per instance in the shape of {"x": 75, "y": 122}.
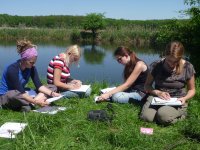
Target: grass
{"x": 137, "y": 36}
{"x": 70, "y": 129}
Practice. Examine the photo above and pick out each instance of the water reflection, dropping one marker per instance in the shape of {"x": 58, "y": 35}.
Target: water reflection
{"x": 96, "y": 64}
{"x": 93, "y": 54}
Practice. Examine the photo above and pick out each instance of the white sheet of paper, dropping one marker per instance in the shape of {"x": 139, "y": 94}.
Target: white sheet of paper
{"x": 107, "y": 89}
{"x": 171, "y": 102}
{"x": 10, "y": 129}
{"x": 83, "y": 88}
{"x": 54, "y": 98}
{"x": 96, "y": 98}
{"x": 50, "y": 109}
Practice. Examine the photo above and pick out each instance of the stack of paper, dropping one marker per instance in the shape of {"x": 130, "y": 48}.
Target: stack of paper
{"x": 107, "y": 89}
{"x": 52, "y": 99}
{"x": 10, "y": 129}
{"x": 83, "y": 88}
{"x": 50, "y": 109}
{"x": 171, "y": 101}
{"x": 96, "y": 98}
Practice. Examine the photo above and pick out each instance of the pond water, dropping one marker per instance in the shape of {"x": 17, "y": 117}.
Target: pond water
{"x": 97, "y": 63}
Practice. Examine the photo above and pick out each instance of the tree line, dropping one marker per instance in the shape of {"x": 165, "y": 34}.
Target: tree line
{"x": 67, "y": 21}
{"x": 185, "y": 30}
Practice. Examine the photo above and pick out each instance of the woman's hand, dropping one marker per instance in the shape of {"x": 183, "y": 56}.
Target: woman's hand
{"x": 182, "y": 99}
{"x": 41, "y": 102}
{"x": 54, "y": 94}
{"x": 73, "y": 86}
{"x": 163, "y": 95}
{"x": 103, "y": 97}
{"x": 76, "y": 82}
{"x": 40, "y": 99}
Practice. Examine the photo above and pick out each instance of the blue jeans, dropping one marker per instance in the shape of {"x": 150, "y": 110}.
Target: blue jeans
{"x": 72, "y": 94}
{"x": 126, "y": 97}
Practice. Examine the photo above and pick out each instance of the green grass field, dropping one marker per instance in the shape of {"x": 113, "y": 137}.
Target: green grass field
{"x": 70, "y": 129}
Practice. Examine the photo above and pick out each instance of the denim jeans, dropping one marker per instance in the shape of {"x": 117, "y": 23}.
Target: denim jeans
{"x": 126, "y": 97}
{"x": 73, "y": 94}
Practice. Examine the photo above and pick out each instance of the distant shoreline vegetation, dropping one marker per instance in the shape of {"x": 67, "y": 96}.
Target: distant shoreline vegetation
{"x": 70, "y": 28}
{"x": 135, "y": 33}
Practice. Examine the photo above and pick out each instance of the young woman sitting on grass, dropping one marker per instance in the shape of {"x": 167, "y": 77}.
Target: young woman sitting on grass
{"x": 58, "y": 73}
{"x": 135, "y": 74}
{"x": 15, "y": 77}
{"x": 173, "y": 77}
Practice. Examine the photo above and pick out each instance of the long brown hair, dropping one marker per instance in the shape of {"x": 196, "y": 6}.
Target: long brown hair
{"x": 176, "y": 49}
{"x": 123, "y": 51}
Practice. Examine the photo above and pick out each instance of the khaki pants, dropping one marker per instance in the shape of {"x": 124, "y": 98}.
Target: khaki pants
{"x": 13, "y": 99}
{"x": 162, "y": 114}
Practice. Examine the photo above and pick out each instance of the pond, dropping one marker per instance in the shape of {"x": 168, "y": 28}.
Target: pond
{"x": 97, "y": 63}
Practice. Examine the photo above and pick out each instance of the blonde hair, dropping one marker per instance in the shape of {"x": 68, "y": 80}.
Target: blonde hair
{"x": 23, "y": 45}
{"x": 74, "y": 50}
{"x": 176, "y": 50}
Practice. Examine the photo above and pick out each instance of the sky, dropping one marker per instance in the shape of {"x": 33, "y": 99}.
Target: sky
{"x": 116, "y": 9}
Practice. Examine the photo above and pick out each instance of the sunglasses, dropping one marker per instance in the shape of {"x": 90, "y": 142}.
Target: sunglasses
{"x": 119, "y": 59}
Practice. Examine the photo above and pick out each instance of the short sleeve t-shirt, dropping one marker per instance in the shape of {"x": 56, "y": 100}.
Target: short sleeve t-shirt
{"x": 58, "y": 62}
{"x": 171, "y": 82}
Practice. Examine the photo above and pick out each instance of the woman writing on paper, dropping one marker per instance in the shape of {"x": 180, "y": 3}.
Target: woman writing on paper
{"x": 58, "y": 73}
{"x": 15, "y": 77}
{"x": 135, "y": 73}
{"x": 170, "y": 75}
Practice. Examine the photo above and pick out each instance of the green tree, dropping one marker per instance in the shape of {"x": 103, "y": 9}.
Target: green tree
{"x": 94, "y": 22}
{"x": 192, "y": 2}
{"x": 189, "y": 32}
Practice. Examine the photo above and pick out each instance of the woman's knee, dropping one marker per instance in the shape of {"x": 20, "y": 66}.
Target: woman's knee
{"x": 120, "y": 98}
{"x": 88, "y": 92}
{"x": 13, "y": 94}
{"x": 148, "y": 115}
{"x": 167, "y": 115}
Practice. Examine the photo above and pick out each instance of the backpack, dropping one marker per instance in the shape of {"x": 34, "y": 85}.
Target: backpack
{"x": 101, "y": 115}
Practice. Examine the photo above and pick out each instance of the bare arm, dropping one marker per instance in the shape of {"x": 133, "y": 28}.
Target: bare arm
{"x": 58, "y": 83}
{"x": 47, "y": 91}
{"x": 140, "y": 67}
{"x": 191, "y": 90}
{"x": 34, "y": 101}
{"x": 148, "y": 87}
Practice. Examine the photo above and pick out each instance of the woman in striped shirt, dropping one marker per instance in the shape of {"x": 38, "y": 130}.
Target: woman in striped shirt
{"x": 58, "y": 72}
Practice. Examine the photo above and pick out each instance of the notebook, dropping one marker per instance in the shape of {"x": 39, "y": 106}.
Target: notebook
{"x": 107, "y": 89}
{"x": 10, "y": 129}
{"x": 102, "y": 91}
{"x": 83, "y": 88}
{"x": 52, "y": 99}
{"x": 171, "y": 102}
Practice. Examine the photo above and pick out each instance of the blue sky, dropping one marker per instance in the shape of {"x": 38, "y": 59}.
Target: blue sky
{"x": 117, "y": 9}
